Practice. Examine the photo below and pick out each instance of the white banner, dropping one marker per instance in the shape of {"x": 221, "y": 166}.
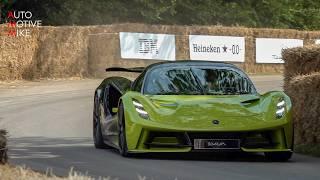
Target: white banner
{"x": 317, "y": 41}
{"x": 217, "y": 48}
{"x": 268, "y": 50}
{"x": 147, "y": 46}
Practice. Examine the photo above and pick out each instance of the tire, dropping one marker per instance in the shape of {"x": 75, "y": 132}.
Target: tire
{"x": 278, "y": 156}
{"x": 123, "y": 148}
{"x": 97, "y": 134}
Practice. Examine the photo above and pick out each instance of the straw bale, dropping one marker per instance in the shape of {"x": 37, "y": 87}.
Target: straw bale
{"x": 304, "y": 91}
{"x": 60, "y": 52}
{"x": 300, "y": 61}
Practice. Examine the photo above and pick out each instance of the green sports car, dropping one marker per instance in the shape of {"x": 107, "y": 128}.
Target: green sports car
{"x": 191, "y": 106}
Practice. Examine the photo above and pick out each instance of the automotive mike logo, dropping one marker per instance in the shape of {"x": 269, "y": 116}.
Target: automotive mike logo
{"x": 20, "y": 23}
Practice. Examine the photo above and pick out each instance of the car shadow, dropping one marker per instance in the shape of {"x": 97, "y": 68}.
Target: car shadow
{"x": 199, "y": 156}
{"x": 205, "y": 156}
{"x": 37, "y": 148}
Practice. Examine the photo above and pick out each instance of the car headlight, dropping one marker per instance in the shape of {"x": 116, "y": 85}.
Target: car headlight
{"x": 280, "y": 108}
{"x": 140, "y": 110}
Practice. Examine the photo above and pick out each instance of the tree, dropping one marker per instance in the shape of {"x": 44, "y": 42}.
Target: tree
{"x": 297, "y": 14}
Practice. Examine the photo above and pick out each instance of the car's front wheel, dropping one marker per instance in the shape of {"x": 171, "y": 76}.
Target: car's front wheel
{"x": 278, "y": 156}
{"x": 123, "y": 148}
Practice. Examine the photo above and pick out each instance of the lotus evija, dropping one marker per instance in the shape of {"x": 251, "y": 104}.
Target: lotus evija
{"x": 191, "y": 106}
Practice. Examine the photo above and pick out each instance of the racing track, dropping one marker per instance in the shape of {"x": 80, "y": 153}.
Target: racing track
{"x": 50, "y": 127}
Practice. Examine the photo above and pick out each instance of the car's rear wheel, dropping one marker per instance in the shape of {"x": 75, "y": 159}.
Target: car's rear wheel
{"x": 123, "y": 148}
{"x": 278, "y": 156}
{"x": 97, "y": 134}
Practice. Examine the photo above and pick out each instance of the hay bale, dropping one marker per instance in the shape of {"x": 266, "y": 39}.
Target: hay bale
{"x": 61, "y": 52}
{"x": 16, "y": 54}
{"x": 300, "y": 61}
{"x": 50, "y": 52}
{"x": 3, "y": 147}
{"x": 304, "y": 91}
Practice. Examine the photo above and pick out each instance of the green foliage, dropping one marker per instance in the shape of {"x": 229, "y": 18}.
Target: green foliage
{"x": 297, "y": 14}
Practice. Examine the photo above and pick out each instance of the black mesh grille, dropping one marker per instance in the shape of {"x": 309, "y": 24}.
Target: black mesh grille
{"x": 182, "y": 138}
{"x": 247, "y": 139}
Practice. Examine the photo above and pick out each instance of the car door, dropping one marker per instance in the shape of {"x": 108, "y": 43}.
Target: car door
{"x": 110, "y": 124}
{"x": 106, "y": 116}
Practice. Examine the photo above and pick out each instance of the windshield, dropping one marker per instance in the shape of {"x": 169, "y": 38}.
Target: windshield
{"x": 197, "y": 80}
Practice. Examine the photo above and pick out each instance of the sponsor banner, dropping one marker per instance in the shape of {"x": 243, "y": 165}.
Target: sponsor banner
{"x": 147, "y": 46}
{"x": 268, "y": 50}
{"x": 317, "y": 41}
{"x": 217, "y": 48}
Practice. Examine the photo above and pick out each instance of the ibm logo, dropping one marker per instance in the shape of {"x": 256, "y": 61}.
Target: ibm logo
{"x": 148, "y": 46}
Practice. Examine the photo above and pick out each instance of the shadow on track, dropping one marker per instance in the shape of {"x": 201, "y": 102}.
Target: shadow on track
{"x": 205, "y": 156}
{"x": 60, "y": 154}
{"x": 68, "y": 148}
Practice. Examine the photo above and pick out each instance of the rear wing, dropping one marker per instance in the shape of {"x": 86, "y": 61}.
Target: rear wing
{"x": 134, "y": 69}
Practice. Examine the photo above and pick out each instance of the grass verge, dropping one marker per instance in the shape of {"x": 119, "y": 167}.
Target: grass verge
{"x": 308, "y": 149}
{"x": 8, "y": 172}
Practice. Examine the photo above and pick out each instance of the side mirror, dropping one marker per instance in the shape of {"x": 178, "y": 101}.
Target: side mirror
{"x": 114, "y": 110}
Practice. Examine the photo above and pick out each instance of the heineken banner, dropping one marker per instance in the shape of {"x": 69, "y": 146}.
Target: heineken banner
{"x": 217, "y": 48}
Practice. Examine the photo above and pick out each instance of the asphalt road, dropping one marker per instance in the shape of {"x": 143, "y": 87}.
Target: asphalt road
{"x": 50, "y": 128}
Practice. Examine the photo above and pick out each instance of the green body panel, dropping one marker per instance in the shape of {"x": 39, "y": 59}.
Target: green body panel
{"x": 195, "y": 113}
{"x": 246, "y": 115}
